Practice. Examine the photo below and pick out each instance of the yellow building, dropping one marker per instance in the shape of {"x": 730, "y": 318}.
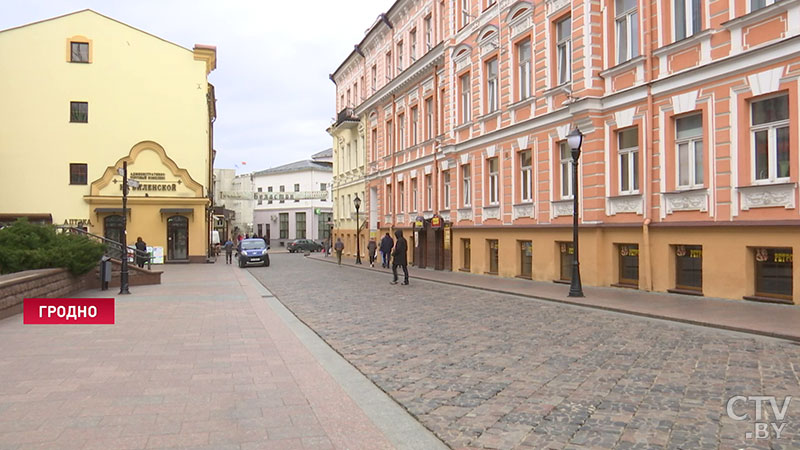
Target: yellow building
{"x": 348, "y": 181}
{"x": 83, "y": 93}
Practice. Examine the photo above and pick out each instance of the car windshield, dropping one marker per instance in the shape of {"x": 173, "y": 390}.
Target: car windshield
{"x": 251, "y": 245}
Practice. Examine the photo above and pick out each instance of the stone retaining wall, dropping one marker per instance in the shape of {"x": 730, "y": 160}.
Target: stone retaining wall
{"x": 42, "y": 283}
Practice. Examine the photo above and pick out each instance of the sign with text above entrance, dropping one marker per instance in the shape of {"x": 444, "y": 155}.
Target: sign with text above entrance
{"x": 271, "y": 196}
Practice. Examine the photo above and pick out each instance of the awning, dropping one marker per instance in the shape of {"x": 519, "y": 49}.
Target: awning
{"x": 177, "y": 211}
{"x": 38, "y": 218}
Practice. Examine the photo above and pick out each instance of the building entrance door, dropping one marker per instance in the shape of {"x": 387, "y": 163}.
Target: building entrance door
{"x": 177, "y": 238}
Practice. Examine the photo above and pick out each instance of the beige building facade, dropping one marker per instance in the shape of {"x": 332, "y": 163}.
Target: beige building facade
{"x": 85, "y": 93}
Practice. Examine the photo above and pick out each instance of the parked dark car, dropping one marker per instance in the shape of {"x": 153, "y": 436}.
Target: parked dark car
{"x": 253, "y": 251}
{"x": 303, "y": 245}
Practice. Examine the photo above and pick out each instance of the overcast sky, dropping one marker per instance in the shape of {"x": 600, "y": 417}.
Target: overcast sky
{"x": 274, "y": 98}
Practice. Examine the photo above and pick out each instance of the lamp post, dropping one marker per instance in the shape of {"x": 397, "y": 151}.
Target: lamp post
{"x": 123, "y": 278}
{"x": 357, "y": 203}
{"x": 575, "y": 139}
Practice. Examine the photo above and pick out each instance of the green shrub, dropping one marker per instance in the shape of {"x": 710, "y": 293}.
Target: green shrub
{"x": 27, "y": 246}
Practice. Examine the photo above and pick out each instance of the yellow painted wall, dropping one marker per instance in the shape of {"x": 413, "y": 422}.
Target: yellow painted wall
{"x": 138, "y": 87}
{"x": 349, "y": 180}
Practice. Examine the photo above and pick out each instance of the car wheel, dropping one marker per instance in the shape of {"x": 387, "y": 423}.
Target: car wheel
{"x": 266, "y": 260}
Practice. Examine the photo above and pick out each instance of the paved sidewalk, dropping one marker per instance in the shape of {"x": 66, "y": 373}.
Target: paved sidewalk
{"x": 209, "y": 359}
{"x": 737, "y": 315}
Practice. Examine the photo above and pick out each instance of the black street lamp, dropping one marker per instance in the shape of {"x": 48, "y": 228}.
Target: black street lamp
{"x": 357, "y": 203}
{"x": 575, "y": 139}
{"x": 123, "y": 278}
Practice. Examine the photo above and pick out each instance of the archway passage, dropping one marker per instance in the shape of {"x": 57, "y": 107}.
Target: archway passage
{"x": 177, "y": 238}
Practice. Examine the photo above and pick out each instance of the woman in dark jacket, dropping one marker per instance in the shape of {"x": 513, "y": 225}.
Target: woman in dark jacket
{"x": 399, "y": 256}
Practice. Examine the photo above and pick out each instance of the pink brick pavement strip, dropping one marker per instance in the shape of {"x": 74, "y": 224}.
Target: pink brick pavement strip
{"x": 199, "y": 361}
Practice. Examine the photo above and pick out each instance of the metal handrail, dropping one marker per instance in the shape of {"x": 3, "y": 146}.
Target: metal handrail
{"x": 113, "y": 248}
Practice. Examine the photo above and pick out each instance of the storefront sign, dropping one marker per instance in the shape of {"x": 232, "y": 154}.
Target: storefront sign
{"x": 447, "y": 237}
{"x": 145, "y": 176}
{"x": 436, "y": 222}
{"x": 77, "y": 223}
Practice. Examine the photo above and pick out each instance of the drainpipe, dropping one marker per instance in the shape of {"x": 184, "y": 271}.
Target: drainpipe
{"x": 647, "y": 162}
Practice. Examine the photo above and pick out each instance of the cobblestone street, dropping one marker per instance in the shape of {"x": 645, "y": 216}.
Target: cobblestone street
{"x": 490, "y": 370}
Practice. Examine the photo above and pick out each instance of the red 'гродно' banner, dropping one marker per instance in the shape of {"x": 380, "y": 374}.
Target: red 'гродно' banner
{"x": 59, "y": 311}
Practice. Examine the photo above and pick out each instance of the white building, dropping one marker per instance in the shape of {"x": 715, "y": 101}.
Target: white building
{"x": 293, "y": 200}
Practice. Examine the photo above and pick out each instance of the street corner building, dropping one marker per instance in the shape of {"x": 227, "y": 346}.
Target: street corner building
{"x": 84, "y": 94}
{"x": 457, "y": 114}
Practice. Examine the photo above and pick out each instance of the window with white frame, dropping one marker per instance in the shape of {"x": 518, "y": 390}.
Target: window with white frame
{"x": 388, "y": 66}
{"x": 525, "y": 175}
{"x": 687, "y": 18}
{"x": 446, "y": 189}
{"x": 524, "y": 69}
{"x": 466, "y": 185}
{"x": 428, "y": 33}
{"x": 414, "y": 185}
{"x": 465, "y": 12}
{"x": 401, "y": 131}
{"x": 389, "y": 137}
{"x": 414, "y": 125}
{"x": 412, "y": 37}
{"x": 401, "y": 197}
{"x": 374, "y": 78}
{"x": 758, "y": 4}
{"x": 492, "y": 90}
{"x": 565, "y": 155}
{"x": 466, "y": 99}
{"x": 428, "y": 193}
{"x": 564, "y": 50}
{"x": 374, "y": 144}
{"x": 627, "y": 30}
{"x": 628, "y": 141}
{"x": 689, "y": 150}
{"x": 389, "y": 199}
{"x": 494, "y": 182}
{"x": 400, "y": 56}
{"x": 428, "y": 118}
{"x": 769, "y": 139}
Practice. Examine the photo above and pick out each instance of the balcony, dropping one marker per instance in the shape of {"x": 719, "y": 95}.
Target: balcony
{"x": 347, "y": 117}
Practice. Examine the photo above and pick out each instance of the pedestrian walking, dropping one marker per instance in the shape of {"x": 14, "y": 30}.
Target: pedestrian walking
{"x": 141, "y": 252}
{"x": 339, "y": 247}
{"x": 371, "y": 247}
{"x": 386, "y": 249}
{"x": 400, "y": 257}
{"x": 228, "y": 251}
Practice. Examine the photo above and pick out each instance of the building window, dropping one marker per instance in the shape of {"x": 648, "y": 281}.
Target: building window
{"x": 525, "y": 175}
{"x": 428, "y": 118}
{"x": 300, "y": 225}
{"x": 414, "y": 185}
{"x": 324, "y": 188}
{"x": 466, "y": 99}
{"x": 566, "y": 170}
{"x": 297, "y": 189}
{"x": 758, "y": 4}
{"x": 281, "y": 196}
{"x": 465, "y": 16}
{"x": 388, "y": 66}
{"x": 401, "y": 198}
{"x": 401, "y": 131}
{"x": 524, "y": 69}
{"x": 689, "y": 267}
{"x": 687, "y": 18}
{"x": 363, "y": 88}
{"x": 627, "y": 30}
{"x": 374, "y": 143}
{"x": 79, "y": 112}
{"x": 566, "y": 252}
{"x": 374, "y": 78}
{"x": 260, "y": 198}
{"x": 492, "y": 90}
{"x": 79, "y": 52}
{"x": 525, "y": 259}
{"x": 400, "y": 56}
{"x": 770, "y": 138}
{"x": 269, "y": 191}
{"x": 78, "y": 173}
{"x": 389, "y": 136}
{"x": 490, "y": 3}
{"x": 629, "y": 264}
{"x": 446, "y": 189}
{"x": 412, "y": 36}
{"x": 564, "y": 50}
{"x": 466, "y": 250}
{"x": 689, "y": 148}
{"x": 494, "y": 260}
{"x": 628, "y": 160}
{"x": 774, "y": 272}
{"x": 466, "y": 182}
{"x": 414, "y": 121}
{"x": 284, "y": 223}
{"x": 428, "y": 33}
{"x": 494, "y": 182}
{"x": 428, "y": 193}
{"x": 389, "y": 199}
